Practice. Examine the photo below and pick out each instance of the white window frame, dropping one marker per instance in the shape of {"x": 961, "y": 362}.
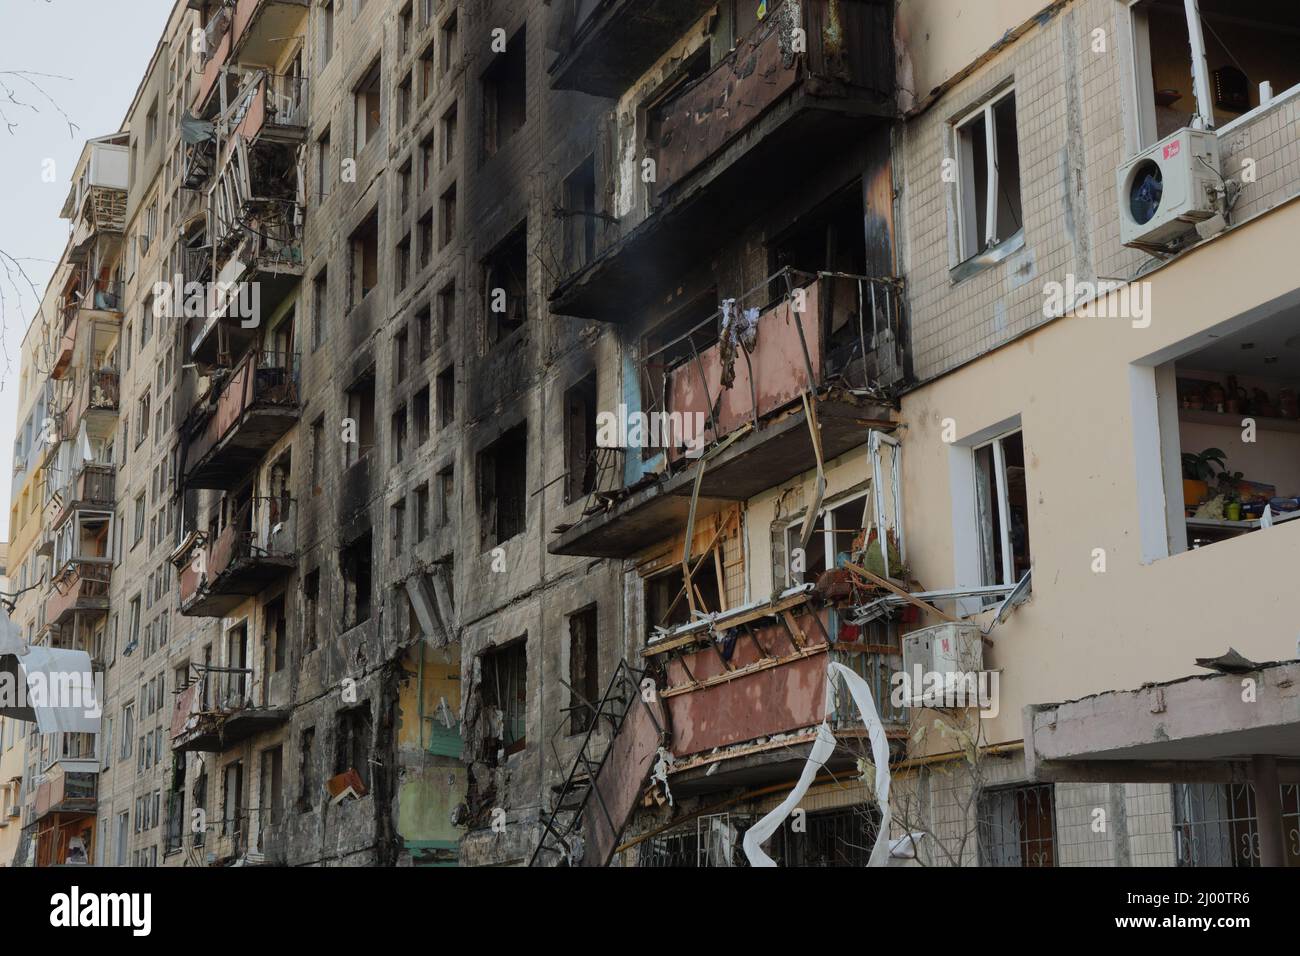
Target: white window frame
{"x": 968, "y": 245}
{"x": 968, "y": 564}
{"x": 823, "y": 529}
{"x": 1003, "y": 501}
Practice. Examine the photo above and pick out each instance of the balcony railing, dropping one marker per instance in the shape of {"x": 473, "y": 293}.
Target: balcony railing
{"x": 231, "y": 432}
{"x": 81, "y": 584}
{"x": 275, "y": 104}
{"x": 256, "y": 547}
{"x": 216, "y": 711}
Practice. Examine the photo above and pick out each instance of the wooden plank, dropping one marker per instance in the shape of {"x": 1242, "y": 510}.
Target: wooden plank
{"x": 889, "y": 585}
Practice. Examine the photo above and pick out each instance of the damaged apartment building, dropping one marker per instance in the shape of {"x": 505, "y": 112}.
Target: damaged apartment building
{"x": 589, "y": 409}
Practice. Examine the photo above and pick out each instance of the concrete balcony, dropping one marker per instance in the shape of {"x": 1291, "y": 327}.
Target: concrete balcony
{"x": 214, "y": 712}
{"x": 233, "y": 428}
{"x": 761, "y": 111}
{"x": 721, "y": 739}
{"x": 256, "y": 549}
{"x": 263, "y": 29}
{"x": 79, "y": 586}
{"x": 65, "y": 790}
{"x": 608, "y": 45}
{"x": 276, "y": 110}
{"x": 92, "y": 487}
{"x": 814, "y": 350}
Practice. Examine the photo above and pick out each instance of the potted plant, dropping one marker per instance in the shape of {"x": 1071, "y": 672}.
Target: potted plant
{"x": 1198, "y": 471}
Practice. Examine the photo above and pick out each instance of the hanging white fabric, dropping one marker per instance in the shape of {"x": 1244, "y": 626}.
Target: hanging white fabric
{"x": 822, "y": 749}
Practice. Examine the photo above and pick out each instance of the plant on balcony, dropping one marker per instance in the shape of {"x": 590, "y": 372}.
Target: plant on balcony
{"x": 1198, "y": 472}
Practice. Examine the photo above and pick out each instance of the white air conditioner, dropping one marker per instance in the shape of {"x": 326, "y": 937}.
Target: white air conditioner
{"x": 1168, "y": 188}
{"x": 942, "y": 651}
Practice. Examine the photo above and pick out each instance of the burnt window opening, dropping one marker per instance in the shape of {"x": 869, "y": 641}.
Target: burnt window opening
{"x": 579, "y": 214}
{"x": 421, "y": 512}
{"x": 580, "y": 439}
{"x": 399, "y": 434}
{"x": 446, "y": 396}
{"x": 232, "y": 807}
{"x": 272, "y": 795}
{"x": 402, "y": 268}
{"x": 368, "y": 111}
{"x": 447, "y": 217}
{"x": 505, "y": 94}
{"x": 505, "y": 285}
{"x": 584, "y": 670}
{"x": 276, "y": 639}
{"x": 424, "y": 333}
{"x": 200, "y": 795}
{"x": 505, "y": 687}
{"x": 352, "y": 741}
{"x": 364, "y": 249}
{"x": 424, "y": 234}
{"x": 308, "y": 784}
{"x": 666, "y": 603}
{"x": 446, "y": 313}
{"x": 446, "y": 495}
{"x": 356, "y": 560}
{"x": 420, "y": 410}
{"x": 503, "y": 487}
{"x": 361, "y": 415}
{"x": 400, "y": 343}
{"x": 310, "y": 608}
{"x": 448, "y": 42}
{"x": 397, "y": 514}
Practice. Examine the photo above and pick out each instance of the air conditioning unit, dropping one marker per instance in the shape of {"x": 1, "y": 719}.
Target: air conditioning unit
{"x": 943, "y": 652}
{"x": 1168, "y": 188}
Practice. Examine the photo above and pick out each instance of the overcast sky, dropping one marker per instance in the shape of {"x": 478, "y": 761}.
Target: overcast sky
{"x": 95, "y": 53}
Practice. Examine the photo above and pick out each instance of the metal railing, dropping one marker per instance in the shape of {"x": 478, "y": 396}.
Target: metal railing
{"x": 286, "y": 99}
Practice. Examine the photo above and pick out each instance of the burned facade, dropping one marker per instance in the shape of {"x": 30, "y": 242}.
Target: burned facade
{"x": 544, "y": 433}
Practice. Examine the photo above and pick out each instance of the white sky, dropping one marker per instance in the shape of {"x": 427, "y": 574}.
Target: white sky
{"x": 99, "y": 50}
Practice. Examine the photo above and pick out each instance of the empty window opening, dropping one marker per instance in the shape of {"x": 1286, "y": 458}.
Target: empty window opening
{"x": 503, "y": 487}
{"x": 361, "y": 415}
{"x": 580, "y": 439}
{"x": 368, "y": 115}
{"x": 505, "y": 94}
{"x": 580, "y": 219}
{"x": 505, "y": 285}
{"x": 364, "y": 247}
{"x": 584, "y": 670}
{"x": 353, "y": 734}
{"x": 505, "y": 687}
{"x": 355, "y": 560}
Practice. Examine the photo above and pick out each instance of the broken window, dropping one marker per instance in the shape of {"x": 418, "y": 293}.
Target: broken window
{"x": 447, "y": 216}
{"x": 666, "y": 603}
{"x": 1248, "y": 62}
{"x": 421, "y": 411}
{"x": 399, "y": 434}
{"x": 235, "y": 693}
{"x": 352, "y": 742}
{"x": 426, "y": 72}
{"x": 446, "y": 384}
{"x": 446, "y": 495}
{"x": 319, "y": 303}
{"x": 580, "y": 439}
{"x": 505, "y": 688}
{"x": 421, "y": 512}
{"x": 356, "y": 565}
{"x": 307, "y": 781}
{"x": 310, "y": 608}
{"x": 580, "y": 215}
{"x": 424, "y": 233}
{"x": 505, "y": 285}
{"x": 834, "y": 532}
{"x": 424, "y": 333}
{"x": 361, "y": 414}
{"x": 232, "y": 807}
{"x": 277, "y": 634}
{"x": 988, "y": 188}
{"x": 505, "y": 94}
{"x": 272, "y": 792}
{"x": 397, "y": 513}
{"x": 1002, "y": 509}
{"x": 503, "y": 487}
{"x": 447, "y": 126}
{"x": 402, "y": 268}
{"x": 584, "y": 670}
{"x": 448, "y": 36}
{"x": 1017, "y": 826}
{"x": 446, "y": 313}
{"x": 404, "y": 102}
{"x": 368, "y": 113}
{"x": 364, "y": 247}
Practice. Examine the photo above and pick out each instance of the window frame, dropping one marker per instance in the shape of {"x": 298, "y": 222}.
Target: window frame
{"x": 965, "y": 159}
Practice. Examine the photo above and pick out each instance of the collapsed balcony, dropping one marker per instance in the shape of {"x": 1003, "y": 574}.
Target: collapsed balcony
{"x": 716, "y": 142}
{"x": 79, "y": 586}
{"x": 714, "y": 669}
{"x": 243, "y": 414}
{"x": 255, "y": 549}
{"x": 216, "y": 710}
{"x": 757, "y": 431}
